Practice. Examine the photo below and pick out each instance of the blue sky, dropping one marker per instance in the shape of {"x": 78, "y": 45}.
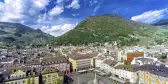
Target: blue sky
{"x": 59, "y": 16}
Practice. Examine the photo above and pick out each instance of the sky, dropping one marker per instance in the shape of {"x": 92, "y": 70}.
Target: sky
{"x": 56, "y": 17}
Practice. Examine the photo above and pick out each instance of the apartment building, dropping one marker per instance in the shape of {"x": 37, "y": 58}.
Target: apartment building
{"x": 153, "y": 74}
{"x": 19, "y": 77}
{"x": 127, "y": 73}
{"x": 82, "y": 61}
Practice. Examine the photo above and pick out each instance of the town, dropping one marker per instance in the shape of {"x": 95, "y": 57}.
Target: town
{"x": 104, "y": 64}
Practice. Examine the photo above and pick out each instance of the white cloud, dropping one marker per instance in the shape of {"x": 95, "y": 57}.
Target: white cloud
{"x": 40, "y": 3}
{"x": 150, "y": 16}
{"x": 97, "y": 7}
{"x": 15, "y": 10}
{"x": 56, "y": 27}
{"x": 56, "y": 11}
{"x": 74, "y": 4}
{"x": 28, "y": 12}
{"x": 57, "y": 30}
{"x": 59, "y": 1}
{"x": 93, "y": 2}
{"x": 75, "y": 14}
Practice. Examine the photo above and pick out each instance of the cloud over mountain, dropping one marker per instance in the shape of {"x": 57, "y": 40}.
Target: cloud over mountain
{"x": 150, "y": 16}
{"x": 35, "y": 13}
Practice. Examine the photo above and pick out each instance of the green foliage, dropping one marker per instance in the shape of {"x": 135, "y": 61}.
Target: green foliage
{"x": 58, "y": 80}
{"x": 18, "y": 36}
{"x": 159, "y": 41}
{"x": 71, "y": 82}
{"x": 126, "y": 63}
{"x": 106, "y": 28}
{"x": 163, "y": 56}
{"x": 28, "y": 81}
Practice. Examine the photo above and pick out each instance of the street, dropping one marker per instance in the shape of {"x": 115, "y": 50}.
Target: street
{"x": 84, "y": 78}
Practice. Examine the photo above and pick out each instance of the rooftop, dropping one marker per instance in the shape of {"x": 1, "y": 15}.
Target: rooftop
{"x": 144, "y": 59}
{"x": 132, "y": 68}
{"x": 155, "y": 69}
{"x": 48, "y": 60}
{"x": 78, "y": 56}
{"x": 110, "y": 62}
{"x": 49, "y": 70}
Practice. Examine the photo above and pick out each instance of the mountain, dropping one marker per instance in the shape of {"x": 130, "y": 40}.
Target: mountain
{"x": 18, "y": 35}
{"x": 161, "y": 23}
{"x": 110, "y": 28}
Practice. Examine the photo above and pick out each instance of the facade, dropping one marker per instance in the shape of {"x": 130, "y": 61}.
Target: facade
{"x": 98, "y": 63}
{"x": 128, "y": 73}
{"x": 60, "y": 63}
{"x": 153, "y": 74}
{"x": 50, "y": 76}
{"x": 82, "y": 61}
{"x": 113, "y": 52}
{"x": 20, "y": 77}
{"x": 47, "y": 76}
{"x": 108, "y": 65}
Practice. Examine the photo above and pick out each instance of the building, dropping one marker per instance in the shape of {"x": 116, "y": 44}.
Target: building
{"x": 153, "y": 74}
{"x": 20, "y": 77}
{"x": 132, "y": 55}
{"x": 50, "y": 76}
{"x": 60, "y": 63}
{"x": 6, "y": 60}
{"x": 142, "y": 61}
{"x": 80, "y": 61}
{"x": 108, "y": 66}
{"x": 99, "y": 62}
{"x": 127, "y": 73}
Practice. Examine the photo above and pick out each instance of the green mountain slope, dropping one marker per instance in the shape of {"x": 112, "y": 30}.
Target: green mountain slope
{"x": 18, "y": 35}
{"x": 110, "y": 28}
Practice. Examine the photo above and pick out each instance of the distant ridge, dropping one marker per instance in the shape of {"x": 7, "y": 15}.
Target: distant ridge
{"x": 161, "y": 23}
{"x": 18, "y": 35}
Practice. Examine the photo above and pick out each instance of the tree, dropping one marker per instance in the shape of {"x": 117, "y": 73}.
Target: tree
{"x": 58, "y": 81}
{"x": 126, "y": 62}
{"x": 33, "y": 78}
{"x": 163, "y": 56}
{"x": 28, "y": 80}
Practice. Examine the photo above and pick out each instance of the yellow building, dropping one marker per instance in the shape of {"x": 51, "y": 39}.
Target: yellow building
{"x": 82, "y": 61}
{"x": 50, "y": 76}
{"x": 152, "y": 74}
{"x": 19, "y": 77}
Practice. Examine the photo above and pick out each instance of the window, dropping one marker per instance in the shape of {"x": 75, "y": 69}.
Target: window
{"x": 23, "y": 81}
{"x": 19, "y": 82}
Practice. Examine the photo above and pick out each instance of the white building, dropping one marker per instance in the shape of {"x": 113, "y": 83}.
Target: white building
{"x": 108, "y": 66}
{"x": 98, "y": 63}
{"x": 127, "y": 73}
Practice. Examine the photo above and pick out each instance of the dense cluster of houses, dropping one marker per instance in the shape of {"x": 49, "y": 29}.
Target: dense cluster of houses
{"x": 136, "y": 65}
